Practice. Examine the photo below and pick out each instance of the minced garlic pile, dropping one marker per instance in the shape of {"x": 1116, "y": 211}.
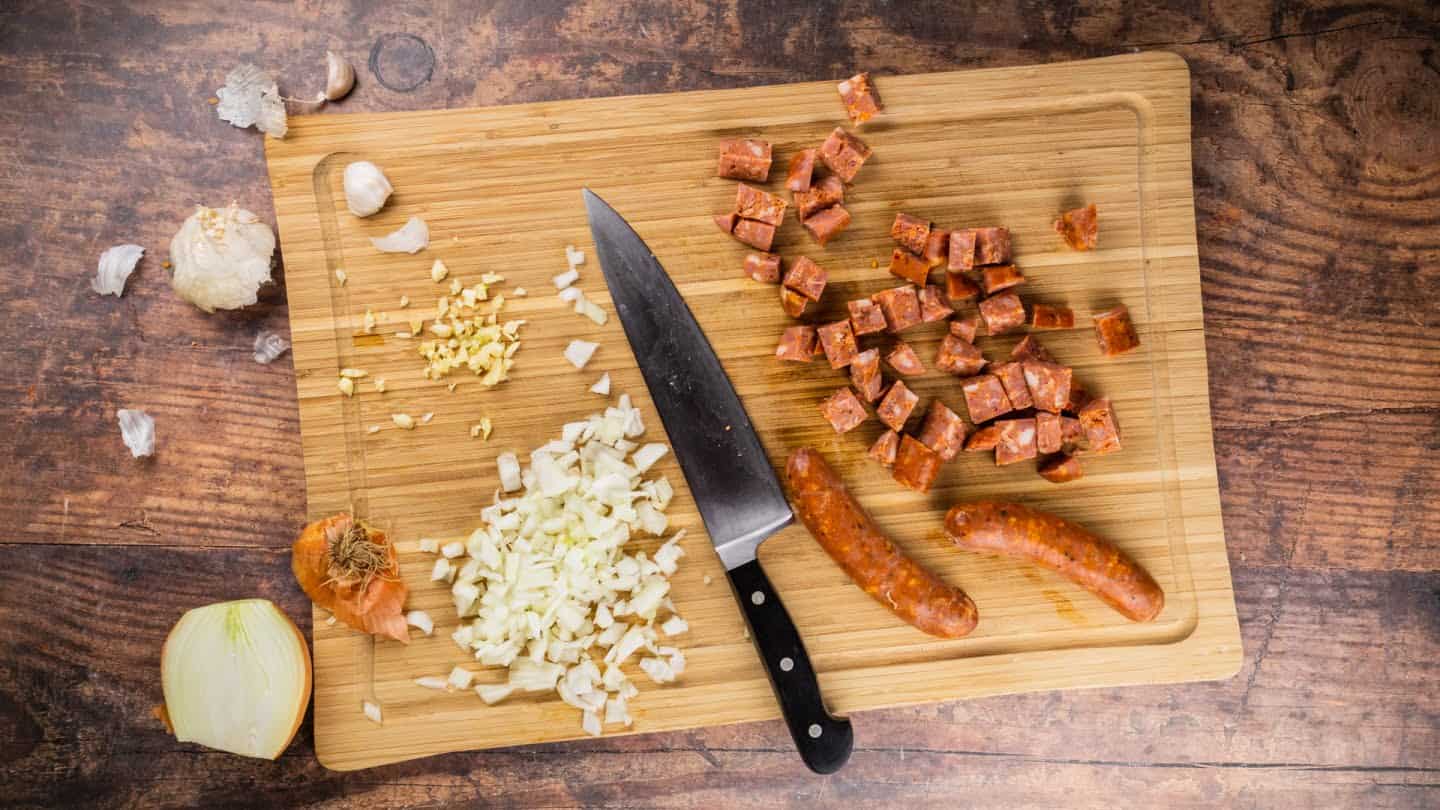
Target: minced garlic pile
{"x": 469, "y": 334}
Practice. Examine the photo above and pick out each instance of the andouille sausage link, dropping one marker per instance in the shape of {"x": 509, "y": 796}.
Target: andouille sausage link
{"x": 1090, "y": 562}
{"x": 841, "y": 527}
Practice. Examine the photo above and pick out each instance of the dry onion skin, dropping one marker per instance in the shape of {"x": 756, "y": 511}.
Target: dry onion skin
{"x": 221, "y": 256}
{"x": 236, "y": 677}
{"x": 351, "y": 569}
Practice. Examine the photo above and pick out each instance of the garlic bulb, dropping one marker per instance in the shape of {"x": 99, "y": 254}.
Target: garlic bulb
{"x": 339, "y": 77}
{"x": 116, "y": 265}
{"x": 137, "y": 429}
{"x": 366, "y": 188}
{"x": 221, "y": 257}
{"x": 412, "y": 237}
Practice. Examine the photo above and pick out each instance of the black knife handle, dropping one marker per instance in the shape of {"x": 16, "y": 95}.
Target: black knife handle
{"x": 824, "y": 741}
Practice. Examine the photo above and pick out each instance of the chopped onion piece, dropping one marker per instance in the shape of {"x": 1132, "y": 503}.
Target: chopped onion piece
{"x": 460, "y": 678}
{"x": 602, "y": 385}
{"x": 592, "y": 310}
{"x": 579, "y": 352}
{"x": 452, "y": 549}
{"x": 429, "y": 544}
{"x": 412, "y": 237}
{"x": 658, "y": 669}
{"x": 371, "y": 710}
{"x": 494, "y": 693}
{"x": 571, "y": 295}
{"x": 565, "y": 279}
{"x": 420, "y": 620}
{"x": 441, "y": 571}
{"x": 431, "y": 682}
{"x": 509, "y": 467}
{"x": 674, "y": 626}
{"x": 591, "y": 723}
{"x": 574, "y": 257}
{"x": 646, "y": 456}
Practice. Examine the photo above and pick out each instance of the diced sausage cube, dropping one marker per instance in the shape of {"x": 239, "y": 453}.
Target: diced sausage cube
{"x": 802, "y": 170}
{"x": 759, "y": 235}
{"x": 1048, "y": 433}
{"x": 965, "y": 328}
{"x": 827, "y": 223}
{"x": 822, "y": 194}
{"x": 1017, "y": 441}
{"x": 865, "y": 374}
{"x": 937, "y": 247}
{"x": 992, "y": 245}
{"x": 962, "y": 250}
{"x": 1060, "y": 469}
{"x": 1044, "y": 316}
{"x": 958, "y": 287}
{"x": 985, "y": 398}
{"x": 1102, "y": 431}
{"x": 883, "y": 450}
{"x": 792, "y": 302}
{"x": 865, "y": 317}
{"x": 910, "y": 267}
{"x": 901, "y": 307}
{"x": 958, "y": 357}
{"x": 844, "y": 154}
{"x": 726, "y": 222}
{"x": 916, "y": 466}
{"x": 1030, "y": 348}
{"x": 1049, "y": 384}
{"x": 983, "y": 439}
{"x": 859, "y": 98}
{"x": 1115, "y": 332}
{"x": 838, "y": 342}
{"x": 1000, "y": 277}
{"x": 764, "y": 267}
{"x": 932, "y": 304}
{"x": 904, "y": 360}
{"x": 797, "y": 344}
{"x": 911, "y": 232}
{"x": 896, "y": 406}
{"x": 744, "y": 159}
{"x": 807, "y": 278}
{"x": 843, "y": 411}
{"x": 1002, "y": 313}
{"x": 761, "y": 206}
{"x": 942, "y": 431}
{"x": 1079, "y": 227}
{"x": 1012, "y": 376}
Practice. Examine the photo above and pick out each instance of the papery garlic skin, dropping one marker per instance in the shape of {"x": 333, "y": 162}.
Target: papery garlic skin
{"x": 366, "y": 188}
{"x": 116, "y": 265}
{"x": 269, "y": 346}
{"x": 137, "y": 429}
{"x": 221, "y": 257}
{"x": 413, "y": 237}
{"x": 339, "y": 76}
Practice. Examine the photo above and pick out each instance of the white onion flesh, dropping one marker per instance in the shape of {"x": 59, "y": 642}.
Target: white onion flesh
{"x": 236, "y": 677}
{"x": 579, "y": 352}
{"x": 413, "y": 237}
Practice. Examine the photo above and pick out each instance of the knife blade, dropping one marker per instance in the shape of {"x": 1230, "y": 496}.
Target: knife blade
{"x": 738, "y": 494}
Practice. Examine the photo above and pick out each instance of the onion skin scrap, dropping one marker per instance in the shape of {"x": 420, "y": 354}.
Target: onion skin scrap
{"x": 373, "y": 604}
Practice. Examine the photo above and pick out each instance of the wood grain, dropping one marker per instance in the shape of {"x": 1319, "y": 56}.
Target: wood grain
{"x": 1296, "y": 105}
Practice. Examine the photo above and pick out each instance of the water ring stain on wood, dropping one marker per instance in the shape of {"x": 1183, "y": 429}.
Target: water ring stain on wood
{"x": 402, "y": 62}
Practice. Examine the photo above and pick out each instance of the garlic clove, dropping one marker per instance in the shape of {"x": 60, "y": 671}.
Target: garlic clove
{"x": 366, "y": 188}
{"x": 339, "y": 76}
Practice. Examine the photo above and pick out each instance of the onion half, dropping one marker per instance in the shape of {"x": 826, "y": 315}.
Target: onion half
{"x": 236, "y": 677}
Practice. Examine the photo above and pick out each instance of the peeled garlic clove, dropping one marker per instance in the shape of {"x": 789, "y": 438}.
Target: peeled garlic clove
{"x": 339, "y": 76}
{"x": 116, "y": 265}
{"x": 366, "y": 188}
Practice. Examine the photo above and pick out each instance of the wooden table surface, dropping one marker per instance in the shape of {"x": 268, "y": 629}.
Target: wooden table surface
{"x": 1317, "y": 179}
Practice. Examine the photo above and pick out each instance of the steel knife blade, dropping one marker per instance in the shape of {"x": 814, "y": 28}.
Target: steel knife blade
{"x": 739, "y": 496}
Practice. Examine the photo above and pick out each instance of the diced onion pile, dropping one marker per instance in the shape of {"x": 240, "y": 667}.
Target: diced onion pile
{"x": 547, "y": 586}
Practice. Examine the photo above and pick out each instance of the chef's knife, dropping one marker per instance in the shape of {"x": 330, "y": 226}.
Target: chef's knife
{"x": 735, "y": 487}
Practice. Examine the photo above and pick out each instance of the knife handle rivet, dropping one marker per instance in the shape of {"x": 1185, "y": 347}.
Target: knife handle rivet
{"x": 786, "y": 664}
{"x": 757, "y": 598}
{"x": 815, "y": 731}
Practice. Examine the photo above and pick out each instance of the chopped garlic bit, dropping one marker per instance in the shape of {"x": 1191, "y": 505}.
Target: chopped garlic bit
{"x": 137, "y": 430}
{"x": 340, "y": 277}
{"x": 404, "y": 301}
{"x": 456, "y": 287}
{"x": 368, "y": 324}
{"x": 269, "y": 346}
{"x": 379, "y": 385}
{"x": 346, "y": 386}
{"x": 372, "y": 710}
{"x": 353, "y": 373}
{"x": 425, "y": 418}
{"x": 373, "y": 429}
{"x": 579, "y": 352}
{"x": 116, "y": 265}
{"x": 520, "y": 292}
{"x": 403, "y": 421}
{"x": 438, "y": 271}
{"x": 481, "y": 429}
{"x": 550, "y": 586}
{"x": 470, "y": 335}
{"x": 412, "y": 237}
{"x": 602, "y": 385}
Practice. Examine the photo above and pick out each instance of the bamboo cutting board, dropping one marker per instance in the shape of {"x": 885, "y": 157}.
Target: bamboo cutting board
{"x": 500, "y": 189}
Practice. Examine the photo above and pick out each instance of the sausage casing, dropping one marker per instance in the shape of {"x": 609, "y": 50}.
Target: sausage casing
{"x": 841, "y": 527}
{"x": 1090, "y": 562}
